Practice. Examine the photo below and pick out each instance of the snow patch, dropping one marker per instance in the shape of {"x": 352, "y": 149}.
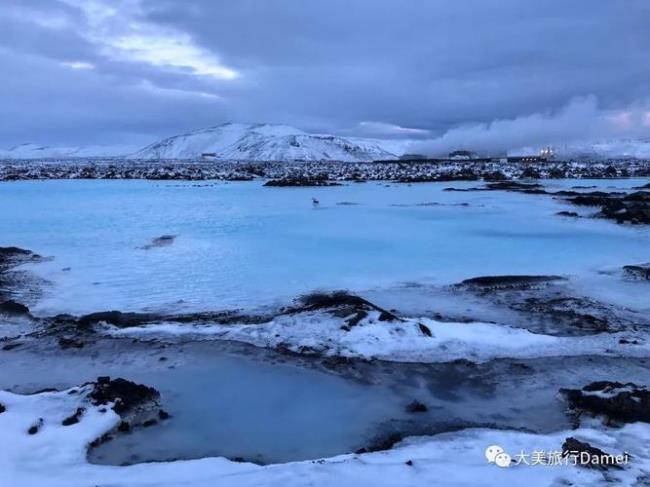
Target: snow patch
{"x": 319, "y": 333}
{"x": 56, "y": 456}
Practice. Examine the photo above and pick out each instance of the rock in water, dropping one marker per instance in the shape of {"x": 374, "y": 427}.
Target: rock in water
{"x": 638, "y": 271}
{"x": 506, "y": 282}
{"x": 626, "y": 403}
{"x": 127, "y": 396}
{"x": 416, "y": 406}
{"x": 425, "y": 329}
{"x": 13, "y": 308}
{"x": 162, "y": 241}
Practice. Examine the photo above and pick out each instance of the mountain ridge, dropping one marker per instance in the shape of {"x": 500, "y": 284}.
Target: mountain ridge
{"x": 262, "y": 142}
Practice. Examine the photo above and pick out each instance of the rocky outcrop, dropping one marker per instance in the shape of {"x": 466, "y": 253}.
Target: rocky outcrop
{"x": 117, "y": 318}
{"x": 137, "y": 405}
{"x": 639, "y": 272}
{"x": 14, "y": 308}
{"x": 489, "y": 283}
{"x": 74, "y": 418}
{"x": 162, "y": 241}
{"x": 300, "y": 181}
{"x": 631, "y": 208}
{"x": 521, "y": 187}
{"x": 546, "y": 304}
{"x": 126, "y": 397}
{"x": 341, "y": 304}
{"x": 615, "y": 401}
{"x": 416, "y": 406}
{"x": 13, "y": 256}
{"x": 588, "y": 456}
{"x": 121, "y": 319}
{"x": 17, "y": 285}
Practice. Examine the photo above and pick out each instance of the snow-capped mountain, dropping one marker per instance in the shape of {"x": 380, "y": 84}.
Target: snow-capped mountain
{"x": 262, "y": 142}
{"x": 35, "y": 151}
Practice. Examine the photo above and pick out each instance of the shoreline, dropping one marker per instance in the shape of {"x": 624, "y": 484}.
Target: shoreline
{"x": 315, "y": 174}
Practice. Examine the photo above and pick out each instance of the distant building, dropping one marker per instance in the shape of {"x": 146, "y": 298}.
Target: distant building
{"x": 462, "y": 155}
{"x": 209, "y": 155}
{"x": 526, "y": 159}
{"x": 547, "y": 153}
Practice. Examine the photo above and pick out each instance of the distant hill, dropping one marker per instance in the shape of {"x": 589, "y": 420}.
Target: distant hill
{"x": 263, "y": 142}
{"x": 35, "y": 151}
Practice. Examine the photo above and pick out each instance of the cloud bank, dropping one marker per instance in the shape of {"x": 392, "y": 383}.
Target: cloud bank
{"x": 579, "y": 121}
{"x": 130, "y": 71}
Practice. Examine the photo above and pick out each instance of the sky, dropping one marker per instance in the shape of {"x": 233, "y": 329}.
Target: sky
{"x": 481, "y": 74}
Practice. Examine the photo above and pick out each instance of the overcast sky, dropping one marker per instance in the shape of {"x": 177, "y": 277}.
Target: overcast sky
{"x": 462, "y": 72}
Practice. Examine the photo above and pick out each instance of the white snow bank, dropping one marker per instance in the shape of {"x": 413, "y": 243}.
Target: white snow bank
{"x": 399, "y": 341}
{"x": 55, "y": 457}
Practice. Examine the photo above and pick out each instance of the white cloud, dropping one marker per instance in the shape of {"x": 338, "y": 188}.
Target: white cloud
{"x": 172, "y": 50}
{"x": 122, "y": 35}
{"x": 78, "y": 65}
{"x": 580, "y": 120}
{"x": 387, "y": 129}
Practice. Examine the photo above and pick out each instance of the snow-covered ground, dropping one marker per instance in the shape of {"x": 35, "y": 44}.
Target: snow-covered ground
{"x": 400, "y": 341}
{"x": 55, "y": 456}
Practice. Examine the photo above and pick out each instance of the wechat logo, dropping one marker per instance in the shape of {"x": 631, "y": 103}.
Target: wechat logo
{"x": 497, "y": 455}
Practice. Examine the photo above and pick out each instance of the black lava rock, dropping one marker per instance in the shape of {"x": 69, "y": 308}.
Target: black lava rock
{"x": 638, "y": 271}
{"x": 571, "y": 214}
{"x": 625, "y": 403}
{"x": 35, "y": 428}
{"x": 13, "y": 308}
{"x": 341, "y": 304}
{"x": 416, "y": 406}
{"x": 301, "y": 181}
{"x": 574, "y": 447}
{"x": 74, "y": 418}
{"x": 425, "y": 329}
{"x": 70, "y": 343}
{"x": 507, "y": 281}
{"x": 125, "y": 395}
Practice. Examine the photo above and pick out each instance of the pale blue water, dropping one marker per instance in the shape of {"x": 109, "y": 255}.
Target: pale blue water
{"x": 241, "y": 244}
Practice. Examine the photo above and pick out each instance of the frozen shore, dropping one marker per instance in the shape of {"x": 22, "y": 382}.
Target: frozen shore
{"x": 313, "y": 173}
{"x": 55, "y": 455}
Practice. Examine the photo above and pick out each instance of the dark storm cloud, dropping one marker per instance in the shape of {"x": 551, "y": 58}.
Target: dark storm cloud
{"x": 93, "y": 71}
